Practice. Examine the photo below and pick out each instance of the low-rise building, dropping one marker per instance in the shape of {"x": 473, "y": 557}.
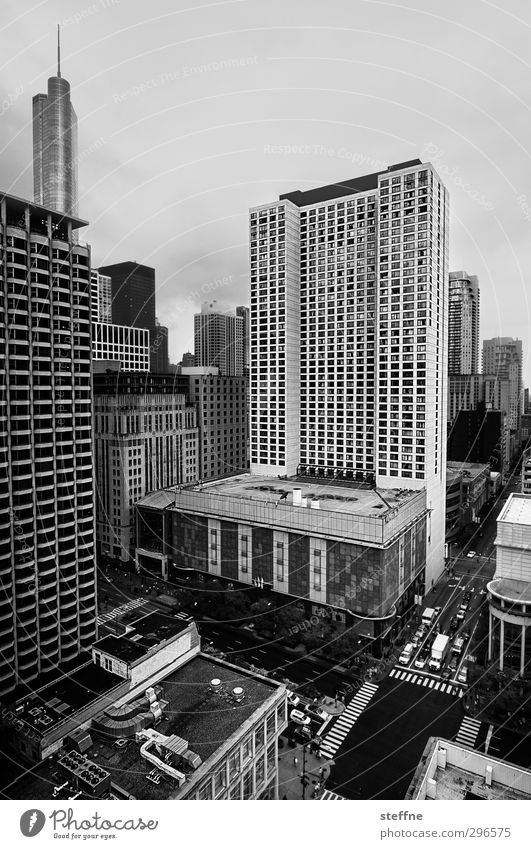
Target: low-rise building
{"x": 452, "y": 772}
{"x": 510, "y": 590}
{"x": 151, "y": 717}
{"x": 526, "y": 472}
{"x": 354, "y": 553}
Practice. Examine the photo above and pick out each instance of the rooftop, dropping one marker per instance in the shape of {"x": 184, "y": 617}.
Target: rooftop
{"x": 450, "y": 771}
{"x": 205, "y": 719}
{"x": 338, "y": 497}
{"x": 517, "y": 509}
{"x": 20, "y": 204}
{"x": 347, "y": 187}
{"x": 511, "y": 589}
{"x": 146, "y": 633}
{"x": 469, "y": 470}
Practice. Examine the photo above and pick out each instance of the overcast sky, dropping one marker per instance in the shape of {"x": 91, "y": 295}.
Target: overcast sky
{"x": 190, "y": 112}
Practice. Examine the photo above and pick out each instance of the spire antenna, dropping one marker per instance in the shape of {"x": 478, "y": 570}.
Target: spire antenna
{"x": 58, "y": 50}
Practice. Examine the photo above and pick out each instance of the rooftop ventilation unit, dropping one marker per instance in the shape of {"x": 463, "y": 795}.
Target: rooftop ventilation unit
{"x": 216, "y": 685}
{"x": 238, "y": 694}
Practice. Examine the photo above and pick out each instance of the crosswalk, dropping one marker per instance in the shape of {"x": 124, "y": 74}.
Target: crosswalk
{"x": 468, "y": 732}
{"x": 329, "y": 796}
{"x": 346, "y": 720}
{"x": 426, "y": 681}
{"x": 119, "y": 611}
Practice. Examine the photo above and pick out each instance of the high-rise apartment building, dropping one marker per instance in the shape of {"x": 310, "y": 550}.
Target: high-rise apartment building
{"x": 465, "y": 392}
{"x": 55, "y": 157}
{"x": 463, "y": 323}
{"x": 47, "y": 600}
{"x": 245, "y": 313}
{"x": 100, "y": 297}
{"x": 349, "y": 302}
{"x": 146, "y": 437}
{"x": 502, "y": 359}
{"x": 221, "y": 402}
{"x": 219, "y": 339}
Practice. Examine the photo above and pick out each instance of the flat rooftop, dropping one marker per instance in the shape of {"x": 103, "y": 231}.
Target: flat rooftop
{"x": 517, "y": 509}
{"x": 458, "y": 783}
{"x": 468, "y": 469}
{"x": 339, "y": 497}
{"x": 511, "y": 589}
{"x": 204, "y": 718}
{"x": 347, "y": 187}
{"x": 147, "y": 632}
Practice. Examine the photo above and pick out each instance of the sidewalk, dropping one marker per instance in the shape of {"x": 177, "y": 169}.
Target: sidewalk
{"x": 289, "y": 773}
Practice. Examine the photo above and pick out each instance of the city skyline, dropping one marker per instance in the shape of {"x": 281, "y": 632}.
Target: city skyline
{"x": 199, "y": 256}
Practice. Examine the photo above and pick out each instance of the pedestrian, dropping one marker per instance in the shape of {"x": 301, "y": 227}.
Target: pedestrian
{"x": 295, "y": 760}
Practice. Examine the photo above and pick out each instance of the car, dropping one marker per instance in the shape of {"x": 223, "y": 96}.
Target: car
{"x": 467, "y": 595}
{"x": 466, "y": 635}
{"x": 454, "y": 625}
{"x": 452, "y": 666}
{"x": 407, "y": 651}
{"x": 293, "y": 699}
{"x": 446, "y": 672}
{"x": 299, "y": 717}
{"x": 471, "y": 554}
{"x": 302, "y": 733}
{"x": 460, "y": 615}
{"x": 421, "y": 660}
{"x": 463, "y": 675}
{"x": 437, "y": 610}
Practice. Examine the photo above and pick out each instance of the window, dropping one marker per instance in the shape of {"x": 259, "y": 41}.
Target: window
{"x": 280, "y": 561}
{"x": 247, "y": 749}
{"x": 248, "y": 783}
{"x": 317, "y": 569}
{"x": 234, "y": 764}
{"x": 220, "y": 780}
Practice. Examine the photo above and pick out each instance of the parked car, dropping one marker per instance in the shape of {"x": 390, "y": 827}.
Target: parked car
{"x": 466, "y": 635}
{"x": 405, "y": 657}
{"x": 452, "y": 666}
{"x": 421, "y": 660}
{"x": 471, "y": 554}
{"x": 461, "y": 613}
{"x": 446, "y": 672}
{"x": 454, "y": 625}
{"x": 437, "y": 610}
{"x": 299, "y": 717}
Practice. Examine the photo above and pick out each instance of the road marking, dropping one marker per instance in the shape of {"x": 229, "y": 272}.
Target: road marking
{"x": 468, "y": 732}
{"x": 346, "y": 720}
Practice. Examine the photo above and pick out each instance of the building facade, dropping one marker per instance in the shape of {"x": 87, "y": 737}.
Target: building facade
{"x": 221, "y": 402}
{"x": 510, "y": 590}
{"x": 526, "y": 473}
{"x": 352, "y": 553}
{"x": 463, "y": 323}
{"x": 47, "y": 603}
{"x": 116, "y": 343}
{"x": 55, "y": 159}
{"x": 100, "y": 297}
{"x": 219, "y": 340}
{"x": 349, "y": 322}
{"x": 502, "y": 359}
{"x": 465, "y": 392}
{"x": 146, "y": 437}
{"x": 481, "y": 436}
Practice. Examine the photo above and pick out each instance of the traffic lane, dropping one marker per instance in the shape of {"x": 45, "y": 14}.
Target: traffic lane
{"x": 510, "y": 746}
{"x": 379, "y": 755}
{"x": 301, "y": 671}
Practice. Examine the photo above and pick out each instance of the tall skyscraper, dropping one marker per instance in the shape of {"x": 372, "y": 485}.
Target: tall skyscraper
{"x": 55, "y": 158}
{"x": 100, "y": 297}
{"x": 47, "y": 599}
{"x": 219, "y": 339}
{"x": 133, "y": 305}
{"x": 463, "y": 323}
{"x": 349, "y": 302}
{"x": 502, "y": 359}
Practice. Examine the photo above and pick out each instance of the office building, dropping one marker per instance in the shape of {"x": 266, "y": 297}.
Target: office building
{"x": 47, "y": 604}
{"x": 467, "y": 492}
{"x": 146, "y": 437}
{"x": 502, "y": 359}
{"x": 352, "y": 553}
{"x": 195, "y": 727}
{"x": 116, "y": 344}
{"x": 463, "y": 323}
{"x": 481, "y": 436}
{"x": 526, "y": 472}
{"x": 510, "y": 590}
{"x": 450, "y": 771}
{"x": 349, "y": 302}
{"x": 159, "y": 349}
{"x": 222, "y": 415}
{"x": 219, "y": 339}
{"x": 55, "y": 159}
{"x": 133, "y": 305}
{"x": 100, "y": 297}
{"x": 465, "y": 392}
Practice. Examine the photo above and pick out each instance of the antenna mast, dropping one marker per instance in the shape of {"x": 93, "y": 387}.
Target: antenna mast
{"x": 58, "y": 50}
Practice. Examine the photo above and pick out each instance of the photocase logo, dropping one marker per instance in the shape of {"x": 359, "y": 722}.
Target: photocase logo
{"x": 32, "y": 822}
